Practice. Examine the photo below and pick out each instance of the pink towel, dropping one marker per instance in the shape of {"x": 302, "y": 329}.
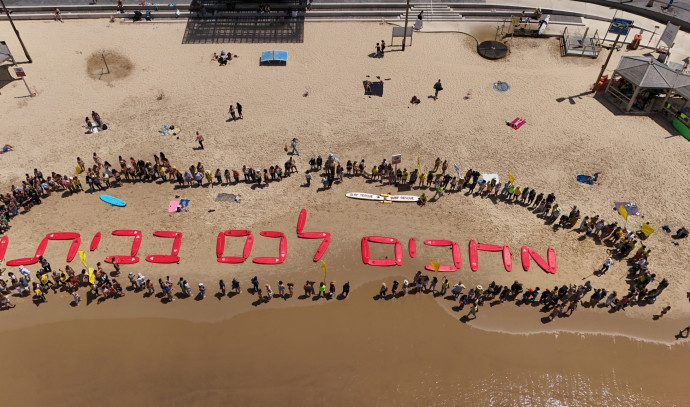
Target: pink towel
{"x": 173, "y": 206}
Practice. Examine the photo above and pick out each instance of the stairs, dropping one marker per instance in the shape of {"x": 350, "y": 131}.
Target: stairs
{"x": 433, "y": 12}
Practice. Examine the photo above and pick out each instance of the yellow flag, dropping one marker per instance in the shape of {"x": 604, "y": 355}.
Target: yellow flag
{"x": 646, "y": 229}
{"x": 435, "y": 265}
{"x": 623, "y": 212}
{"x": 510, "y": 177}
{"x": 418, "y": 166}
{"x": 82, "y": 256}
{"x": 323, "y": 267}
{"x": 92, "y": 276}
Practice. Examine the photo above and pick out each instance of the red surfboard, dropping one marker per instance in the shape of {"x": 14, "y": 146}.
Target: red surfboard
{"x": 313, "y": 235}
{"x": 41, "y": 249}
{"x": 365, "y": 250}
{"x": 398, "y": 254}
{"x": 248, "y": 243}
{"x": 95, "y": 241}
{"x": 443, "y": 268}
{"x": 231, "y": 259}
{"x": 382, "y": 262}
{"x": 322, "y": 248}
{"x": 507, "y": 258}
{"x": 282, "y": 249}
{"x": 457, "y": 260}
{"x": 74, "y": 247}
{"x": 122, "y": 259}
{"x": 524, "y": 256}
{"x": 27, "y": 261}
{"x": 301, "y": 219}
{"x": 412, "y": 247}
{"x": 162, "y": 258}
{"x": 237, "y": 232}
{"x": 3, "y": 246}
{"x": 437, "y": 242}
{"x": 220, "y": 244}
{"x": 474, "y": 257}
{"x": 489, "y": 247}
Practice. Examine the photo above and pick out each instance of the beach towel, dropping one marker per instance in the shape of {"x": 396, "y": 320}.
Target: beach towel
{"x": 586, "y": 179}
{"x": 172, "y": 207}
{"x": 501, "y": 87}
{"x": 169, "y": 129}
{"x": 630, "y": 207}
{"x": 228, "y": 197}
{"x": 376, "y": 88}
{"x": 184, "y": 203}
{"x": 489, "y": 177}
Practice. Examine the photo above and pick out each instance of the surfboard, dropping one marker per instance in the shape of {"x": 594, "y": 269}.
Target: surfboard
{"x": 507, "y": 258}
{"x": 301, "y": 219}
{"x": 122, "y": 259}
{"x": 112, "y": 200}
{"x": 282, "y": 249}
{"x": 457, "y": 260}
{"x": 403, "y": 198}
{"x": 524, "y": 256}
{"x": 474, "y": 257}
{"x": 442, "y": 268}
{"x": 313, "y": 235}
{"x": 95, "y": 241}
{"x": 26, "y": 261}
{"x": 543, "y": 23}
{"x": 248, "y": 243}
{"x": 220, "y": 244}
{"x": 162, "y": 258}
{"x": 412, "y": 247}
{"x": 322, "y": 248}
{"x": 362, "y": 195}
{"x": 3, "y": 246}
{"x": 73, "y": 249}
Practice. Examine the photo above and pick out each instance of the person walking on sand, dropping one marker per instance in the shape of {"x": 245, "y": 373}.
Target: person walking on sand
{"x": 383, "y": 48}
{"x": 202, "y": 290}
{"x": 235, "y": 285}
{"x": 383, "y": 290}
{"x": 255, "y": 283}
{"x": 322, "y": 289}
{"x": 437, "y": 87}
{"x": 200, "y": 139}
{"x": 232, "y": 112}
{"x": 293, "y": 143}
{"x": 239, "y": 111}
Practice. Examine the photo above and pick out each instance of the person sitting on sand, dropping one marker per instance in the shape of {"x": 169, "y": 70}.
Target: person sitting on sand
{"x": 367, "y": 88}
{"x": 415, "y": 100}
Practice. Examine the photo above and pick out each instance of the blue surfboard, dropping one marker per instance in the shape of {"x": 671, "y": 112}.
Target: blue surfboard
{"x": 112, "y": 200}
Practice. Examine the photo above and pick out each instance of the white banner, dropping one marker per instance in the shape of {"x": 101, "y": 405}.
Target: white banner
{"x": 669, "y": 34}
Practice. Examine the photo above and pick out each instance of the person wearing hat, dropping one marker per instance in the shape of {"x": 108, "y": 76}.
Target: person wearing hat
{"x": 202, "y": 290}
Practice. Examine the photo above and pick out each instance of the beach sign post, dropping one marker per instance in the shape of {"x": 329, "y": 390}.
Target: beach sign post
{"x": 395, "y": 160}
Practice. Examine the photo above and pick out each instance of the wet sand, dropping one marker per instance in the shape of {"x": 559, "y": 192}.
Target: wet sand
{"x": 341, "y": 353}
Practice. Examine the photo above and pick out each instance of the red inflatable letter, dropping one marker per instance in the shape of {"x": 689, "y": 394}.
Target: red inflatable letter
{"x": 474, "y": 257}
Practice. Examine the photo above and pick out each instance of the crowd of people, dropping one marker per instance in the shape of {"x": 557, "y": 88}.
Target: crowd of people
{"x": 102, "y": 175}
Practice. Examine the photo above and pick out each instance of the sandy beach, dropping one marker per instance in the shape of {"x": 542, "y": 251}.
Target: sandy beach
{"x": 359, "y": 349}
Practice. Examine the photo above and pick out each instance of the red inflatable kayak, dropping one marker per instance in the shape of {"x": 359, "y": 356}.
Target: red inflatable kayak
{"x": 95, "y": 241}
{"x": 412, "y": 247}
{"x": 301, "y": 219}
{"x": 282, "y": 249}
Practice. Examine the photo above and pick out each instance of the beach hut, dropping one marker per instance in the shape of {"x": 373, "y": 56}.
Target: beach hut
{"x": 638, "y": 81}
